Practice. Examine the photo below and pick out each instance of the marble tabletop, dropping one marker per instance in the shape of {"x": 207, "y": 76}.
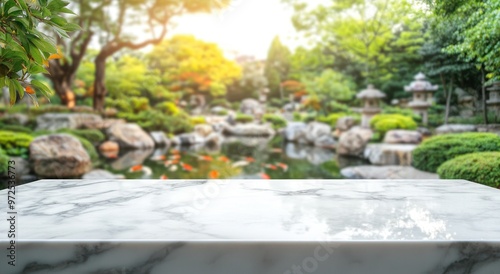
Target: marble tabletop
{"x": 255, "y": 210}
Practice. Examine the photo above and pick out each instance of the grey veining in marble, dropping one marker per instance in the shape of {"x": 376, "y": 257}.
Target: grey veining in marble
{"x": 255, "y": 226}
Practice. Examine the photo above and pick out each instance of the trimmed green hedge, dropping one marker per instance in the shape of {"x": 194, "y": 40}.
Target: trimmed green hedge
{"x": 385, "y": 122}
{"x": 482, "y": 167}
{"x": 276, "y": 120}
{"x": 433, "y": 152}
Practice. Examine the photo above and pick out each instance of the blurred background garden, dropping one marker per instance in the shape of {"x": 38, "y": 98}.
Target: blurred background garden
{"x": 274, "y": 89}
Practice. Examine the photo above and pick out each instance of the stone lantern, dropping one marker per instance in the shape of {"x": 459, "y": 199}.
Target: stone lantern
{"x": 422, "y": 96}
{"x": 371, "y": 99}
{"x": 494, "y": 101}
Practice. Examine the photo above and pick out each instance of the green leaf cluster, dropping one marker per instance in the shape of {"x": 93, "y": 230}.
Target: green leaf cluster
{"x": 24, "y": 48}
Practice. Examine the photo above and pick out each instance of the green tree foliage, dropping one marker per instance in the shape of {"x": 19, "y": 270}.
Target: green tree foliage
{"x": 24, "y": 48}
{"x": 277, "y": 67}
{"x": 192, "y": 66}
{"x": 331, "y": 85}
{"x": 252, "y": 80}
{"x": 477, "y": 33}
{"x": 373, "y": 41}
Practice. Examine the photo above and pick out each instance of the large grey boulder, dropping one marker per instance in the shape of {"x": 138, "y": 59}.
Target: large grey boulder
{"x": 253, "y": 130}
{"x": 294, "y": 131}
{"x": 251, "y": 107}
{"x": 455, "y": 128}
{"x": 20, "y": 118}
{"x": 389, "y": 154}
{"x": 203, "y": 130}
{"x": 403, "y": 137}
{"x": 160, "y": 138}
{"x": 345, "y": 123}
{"x": 59, "y": 156}
{"x": 102, "y": 125}
{"x": 187, "y": 139}
{"x": 130, "y": 136}
{"x": 55, "y": 121}
{"x": 314, "y": 130}
{"x": 354, "y": 141}
{"x": 386, "y": 172}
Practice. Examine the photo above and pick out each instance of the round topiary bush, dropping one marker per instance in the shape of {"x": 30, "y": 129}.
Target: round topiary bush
{"x": 481, "y": 167}
{"x": 276, "y": 120}
{"x": 433, "y": 152}
{"x": 384, "y": 122}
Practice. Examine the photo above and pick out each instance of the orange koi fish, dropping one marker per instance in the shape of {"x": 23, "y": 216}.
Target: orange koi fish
{"x": 224, "y": 159}
{"x": 186, "y": 167}
{"x": 264, "y": 176}
{"x": 250, "y": 159}
{"x": 205, "y": 158}
{"x": 214, "y": 174}
{"x": 283, "y": 166}
{"x": 136, "y": 168}
{"x": 163, "y": 177}
{"x": 175, "y": 151}
{"x": 273, "y": 167}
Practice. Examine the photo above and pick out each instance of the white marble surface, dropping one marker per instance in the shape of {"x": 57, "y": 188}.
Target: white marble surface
{"x": 255, "y": 226}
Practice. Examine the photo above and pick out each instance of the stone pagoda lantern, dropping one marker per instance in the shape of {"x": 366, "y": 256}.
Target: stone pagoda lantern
{"x": 422, "y": 96}
{"x": 371, "y": 99}
{"x": 494, "y": 101}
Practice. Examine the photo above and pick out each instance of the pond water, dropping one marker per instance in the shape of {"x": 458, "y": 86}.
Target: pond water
{"x": 235, "y": 158}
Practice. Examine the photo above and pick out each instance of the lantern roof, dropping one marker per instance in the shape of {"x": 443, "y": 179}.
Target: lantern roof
{"x": 420, "y": 84}
{"x": 370, "y": 93}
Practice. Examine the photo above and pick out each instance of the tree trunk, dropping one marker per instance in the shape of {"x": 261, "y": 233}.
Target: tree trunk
{"x": 483, "y": 93}
{"x": 448, "y": 101}
{"x": 99, "y": 83}
{"x": 62, "y": 88}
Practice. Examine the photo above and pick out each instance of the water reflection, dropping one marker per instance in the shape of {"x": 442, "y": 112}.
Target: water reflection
{"x": 235, "y": 157}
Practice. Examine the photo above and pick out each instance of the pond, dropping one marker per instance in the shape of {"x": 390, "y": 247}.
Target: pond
{"x": 248, "y": 158}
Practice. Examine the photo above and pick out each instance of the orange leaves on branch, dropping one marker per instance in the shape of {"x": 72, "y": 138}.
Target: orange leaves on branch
{"x": 30, "y": 90}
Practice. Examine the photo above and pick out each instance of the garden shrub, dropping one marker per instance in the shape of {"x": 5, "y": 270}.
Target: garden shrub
{"x": 402, "y": 111}
{"x": 197, "y": 120}
{"x": 168, "y": 108}
{"x": 95, "y": 136}
{"x": 340, "y": 108}
{"x": 276, "y": 120}
{"x": 10, "y": 139}
{"x": 243, "y": 118}
{"x": 384, "y": 122}
{"x": 4, "y": 160}
{"x": 221, "y": 102}
{"x": 16, "y": 128}
{"x": 481, "y": 167}
{"x": 332, "y": 119}
{"x": 304, "y": 117}
{"x": 434, "y": 151}
{"x": 15, "y": 143}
